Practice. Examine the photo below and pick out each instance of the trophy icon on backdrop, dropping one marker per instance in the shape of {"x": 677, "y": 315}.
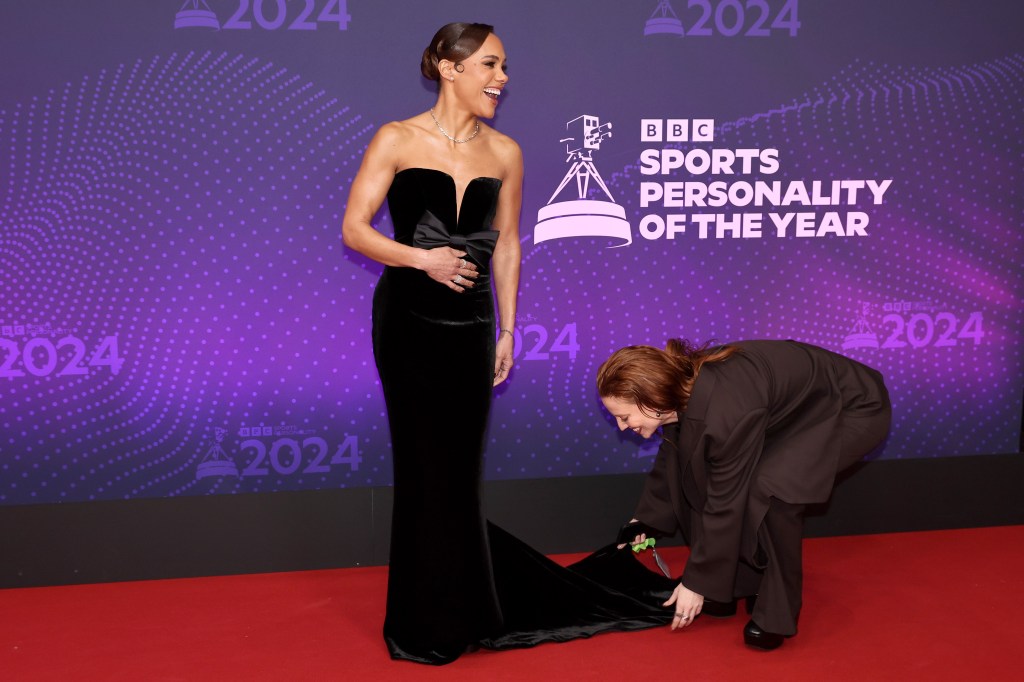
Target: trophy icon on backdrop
{"x": 196, "y": 16}
{"x": 862, "y": 335}
{"x": 216, "y": 462}
{"x": 581, "y": 216}
{"x": 663, "y": 20}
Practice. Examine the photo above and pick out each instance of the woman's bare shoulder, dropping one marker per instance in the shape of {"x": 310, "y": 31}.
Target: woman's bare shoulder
{"x": 396, "y": 131}
{"x": 503, "y": 144}
{"x": 396, "y": 139}
{"x": 505, "y": 149}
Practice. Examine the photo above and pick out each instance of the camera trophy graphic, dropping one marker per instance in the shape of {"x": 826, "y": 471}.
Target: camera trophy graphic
{"x": 862, "y": 335}
{"x": 663, "y": 20}
{"x": 582, "y": 217}
{"x": 196, "y": 16}
{"x": 216, "y": 462}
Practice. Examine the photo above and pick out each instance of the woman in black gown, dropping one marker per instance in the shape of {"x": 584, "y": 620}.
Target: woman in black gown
{"x": 453, "y": 186}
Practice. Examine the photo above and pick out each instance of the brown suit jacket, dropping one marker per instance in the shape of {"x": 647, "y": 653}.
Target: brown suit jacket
{"x": 767, "y": 422}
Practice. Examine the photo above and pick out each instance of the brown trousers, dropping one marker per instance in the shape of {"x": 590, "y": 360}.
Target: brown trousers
{"x": 777, "y": 578}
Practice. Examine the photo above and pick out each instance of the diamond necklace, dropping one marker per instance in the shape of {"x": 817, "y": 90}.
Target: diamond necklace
{"x": 456, "y": 140}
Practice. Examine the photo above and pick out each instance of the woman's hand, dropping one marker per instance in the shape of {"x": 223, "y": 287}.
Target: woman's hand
{"x": 503, "y": 357}
{"x": 688, "y": 605}
{"x": 637, "y": 540}
{"x": 447, "y": 266}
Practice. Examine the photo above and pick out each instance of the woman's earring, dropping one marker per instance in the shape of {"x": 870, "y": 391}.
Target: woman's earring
{"x": 658, "y": 415}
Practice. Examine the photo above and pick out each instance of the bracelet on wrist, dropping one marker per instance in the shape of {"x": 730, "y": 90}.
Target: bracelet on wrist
{"x": 506, "y": 331}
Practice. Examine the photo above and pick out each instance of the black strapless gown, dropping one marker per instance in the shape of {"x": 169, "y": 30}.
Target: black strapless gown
{"x": 455, "y": 581}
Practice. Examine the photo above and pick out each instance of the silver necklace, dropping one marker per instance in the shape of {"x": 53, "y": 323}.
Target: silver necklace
{"x": 456, "y": 140}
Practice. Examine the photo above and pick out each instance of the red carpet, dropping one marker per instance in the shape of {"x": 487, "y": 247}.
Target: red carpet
{"x": 913, "y": 606}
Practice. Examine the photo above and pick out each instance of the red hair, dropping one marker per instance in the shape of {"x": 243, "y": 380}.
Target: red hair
{"x": 655, "y": 379}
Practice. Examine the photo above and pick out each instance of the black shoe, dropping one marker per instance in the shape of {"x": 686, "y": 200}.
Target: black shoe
{"x": 718, "y": 609}
{"x": 754, "y": 636}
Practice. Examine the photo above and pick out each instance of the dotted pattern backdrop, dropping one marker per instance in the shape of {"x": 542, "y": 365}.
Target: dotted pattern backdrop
{"x": 180, "y": 317}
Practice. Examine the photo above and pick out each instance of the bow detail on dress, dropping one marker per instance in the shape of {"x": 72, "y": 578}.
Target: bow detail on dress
{"x": 431, "y": 233}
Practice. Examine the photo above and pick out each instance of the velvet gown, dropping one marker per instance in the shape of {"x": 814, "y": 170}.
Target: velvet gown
{"x": 455, "y": 581}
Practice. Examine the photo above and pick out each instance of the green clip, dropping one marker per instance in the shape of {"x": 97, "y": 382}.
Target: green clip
{"x": 641, "y": 546}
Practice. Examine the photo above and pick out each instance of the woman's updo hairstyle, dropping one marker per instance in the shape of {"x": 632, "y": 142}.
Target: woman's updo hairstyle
{"x": 453, "y": 42}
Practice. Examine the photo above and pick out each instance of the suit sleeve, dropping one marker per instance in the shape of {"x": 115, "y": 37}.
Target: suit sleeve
{"x": 655, "y": 507}
{"x": 731, "y": 459}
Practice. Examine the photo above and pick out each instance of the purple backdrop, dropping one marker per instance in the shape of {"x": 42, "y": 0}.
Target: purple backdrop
{"x": 180, "y": 318}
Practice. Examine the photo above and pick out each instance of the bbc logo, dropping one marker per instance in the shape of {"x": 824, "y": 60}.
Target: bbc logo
{"x": 677, "y": 130}
{"x": 256, "y": 431}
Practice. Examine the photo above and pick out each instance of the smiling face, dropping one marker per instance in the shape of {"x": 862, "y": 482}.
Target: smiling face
{"x": 628, "y": 415}
{"x": 483, "y": 77}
